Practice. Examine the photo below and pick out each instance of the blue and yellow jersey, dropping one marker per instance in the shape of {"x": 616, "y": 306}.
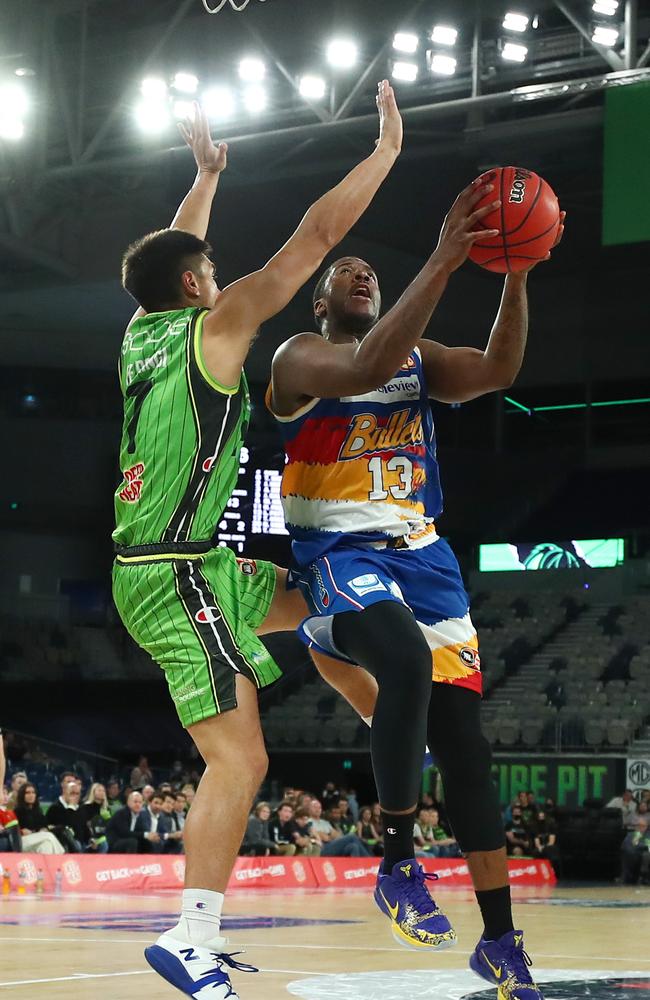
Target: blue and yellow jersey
{"x": 362, "y": 469}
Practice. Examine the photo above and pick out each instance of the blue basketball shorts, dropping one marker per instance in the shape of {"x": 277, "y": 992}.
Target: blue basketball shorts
{"x": 426, "y": 580}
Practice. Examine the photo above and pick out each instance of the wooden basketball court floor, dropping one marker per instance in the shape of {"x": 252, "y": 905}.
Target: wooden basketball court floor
{"x": 324, "y": 945}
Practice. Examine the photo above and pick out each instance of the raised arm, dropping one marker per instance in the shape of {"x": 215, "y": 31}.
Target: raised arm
{"x": 457, "y": 374}
{"x": 231, "y": 326}
{"x": 309, "y": 366}
{"x": 193, "y": 213}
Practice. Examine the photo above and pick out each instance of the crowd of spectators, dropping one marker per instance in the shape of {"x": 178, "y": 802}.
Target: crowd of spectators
{"x": 145, "y": 816}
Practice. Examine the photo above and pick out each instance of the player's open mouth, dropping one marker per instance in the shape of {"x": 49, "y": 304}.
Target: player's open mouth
{"x": 362, "y": 292}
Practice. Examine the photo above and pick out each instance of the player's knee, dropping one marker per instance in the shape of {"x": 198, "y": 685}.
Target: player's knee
{"x": 465, "y": 758}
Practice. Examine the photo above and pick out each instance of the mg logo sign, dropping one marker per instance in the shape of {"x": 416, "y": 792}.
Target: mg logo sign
{"x": 638, "y": 774}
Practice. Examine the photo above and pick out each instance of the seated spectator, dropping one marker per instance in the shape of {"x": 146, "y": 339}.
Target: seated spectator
{"x": 64, "y": 818}
{"x": 626, "y": 803}
{"x": 544, "y": 832}
{"x": 348, "y": 823}
{"x": 330, "y": 795}
{"x": 257, "y": 839}
{"x": 635, "y": 855}
{"x": 189, "y": 791}
{"x": 377, "y": 821}
{"x": 642, "y": 812}
{"x": 95, "y": 814}
{"x": 431, "y": 839}
{"x": 33, "y": 824}
{"x": 122, "y": 831}
{"x": 368, "y": 834}
{"x": 170, "y": 833}
{"x": 518, "y": 839}
{"x": 148, "y": 792}
{"x": 141, "y": 774}
{"x": 18, "y": 778}
{"x": 9, "y": 828}
{"x": 180, "y": 810}
{"x": 529, "y": 811}
{"x": 303, "y": 839}
{"x": 353, "y": 804}
{"x": 282, "y": 829}
{"x": 113, "y": 796}
{"x": 334, "y": 842}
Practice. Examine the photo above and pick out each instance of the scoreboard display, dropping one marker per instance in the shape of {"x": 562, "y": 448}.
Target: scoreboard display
{"x": 255, "y": 507}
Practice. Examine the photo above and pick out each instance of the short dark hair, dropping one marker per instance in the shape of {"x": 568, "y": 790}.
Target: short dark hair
{"x": 153, "y": 265}
{"x": 319, "y": 293}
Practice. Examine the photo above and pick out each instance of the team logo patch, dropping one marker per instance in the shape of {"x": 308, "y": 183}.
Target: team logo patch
{"x": 207, "y": 615}
{"x": 470, "y": 657}
{"x": 133, "y": 482}
{"x": 247, "y": 566}
{"x": 365, "y": 584}
{"x": 410, "y": 363}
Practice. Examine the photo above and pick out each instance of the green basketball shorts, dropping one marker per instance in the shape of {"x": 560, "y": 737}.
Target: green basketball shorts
{"x": 196, "y": 617}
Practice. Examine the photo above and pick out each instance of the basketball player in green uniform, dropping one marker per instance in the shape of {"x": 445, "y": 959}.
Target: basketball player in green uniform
{"x": 194, "y": 607}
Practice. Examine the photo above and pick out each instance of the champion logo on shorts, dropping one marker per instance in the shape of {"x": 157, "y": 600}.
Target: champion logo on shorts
{"x": 247, "y": 566}
{"x": 207, "y": 615}
{"x": 470, "y": 657}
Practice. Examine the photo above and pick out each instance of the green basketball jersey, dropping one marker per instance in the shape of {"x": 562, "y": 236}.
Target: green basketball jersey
{"x": 181, "y": 437}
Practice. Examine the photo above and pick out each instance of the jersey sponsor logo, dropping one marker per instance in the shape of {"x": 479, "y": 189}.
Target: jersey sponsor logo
{"x": 323, "y": 593}
{"x": 159, "y": 359}
{"x": 365, "y": 435}
{"x": 518, "y": 189}
{"x": 470, "y": 657}
{"x": 132, "y": 490}
{"x": 207, "y": 615}
{"x": 365, "y": 584}
{"x": 247, "y": 566}
{"x": 187, "y": 693}
{"x": 406, "y": 387}
{"x": 137, "y": 339}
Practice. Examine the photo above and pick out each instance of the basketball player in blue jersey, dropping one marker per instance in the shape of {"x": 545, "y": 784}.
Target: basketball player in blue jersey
{"x": 361, "y": 493}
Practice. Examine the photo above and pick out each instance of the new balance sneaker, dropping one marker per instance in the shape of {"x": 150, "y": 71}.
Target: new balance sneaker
{"x": 505, "y": 964}
{"x": 415, "y": 920}
{"x": 198, "y": 972}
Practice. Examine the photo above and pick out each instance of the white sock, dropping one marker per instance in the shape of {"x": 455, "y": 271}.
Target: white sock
{"x": 368, "y": 720}
{"x": 200, "y": 916}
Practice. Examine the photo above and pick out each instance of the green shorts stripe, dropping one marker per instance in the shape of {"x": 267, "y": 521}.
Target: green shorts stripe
{"x": 197, "y": 618}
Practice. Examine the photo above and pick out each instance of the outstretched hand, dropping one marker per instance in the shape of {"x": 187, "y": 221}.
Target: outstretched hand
{"x": 390, "y": 121}
{"x": 196, "y": 133}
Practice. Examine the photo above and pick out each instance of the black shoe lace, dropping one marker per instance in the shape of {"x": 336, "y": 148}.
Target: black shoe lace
{"x": 229, "y": 960}
{"x": 520, "y": 961}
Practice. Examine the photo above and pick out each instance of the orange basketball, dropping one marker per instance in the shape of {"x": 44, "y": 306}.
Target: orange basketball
{"x": 527, "y": 220}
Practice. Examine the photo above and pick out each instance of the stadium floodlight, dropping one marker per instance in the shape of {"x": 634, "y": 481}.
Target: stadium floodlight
{"x": 256, "y": 99}
{"x": 342, "y": 53}
{"x": 183, "y": 110}
{"x": 515, "y": 22}
{"x": 252, "y": 70}
{"x": 443, "y": 65}
{"x": 406, "y": 41}
{"x": 442, "y": 34}
{"x": 13, "y": 101}
{"x": 11, "y": 129}
{"x": 152, "y": 116}
{"x": 512, "y": 52}
{"x": 605, "y": 36}
{"x": 218, "y": 103}
{"x": 153, "y": 88}
{"x": 24, "y": 71}
{"x": 312, "y": 88}
{"x": 185, "y": 83}
{"x": 606, "y": 7}
{"x": 406, "y": 71}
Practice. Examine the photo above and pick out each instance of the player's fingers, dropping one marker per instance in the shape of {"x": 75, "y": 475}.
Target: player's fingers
{"x": 186, "y": 135}
{"x": 477, "y": 194}
{"x": 480, "y": 213}
{"x": 483, "y": 234}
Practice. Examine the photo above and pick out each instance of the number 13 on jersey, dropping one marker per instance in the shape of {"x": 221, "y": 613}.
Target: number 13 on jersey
{"x": 380, "y": 489}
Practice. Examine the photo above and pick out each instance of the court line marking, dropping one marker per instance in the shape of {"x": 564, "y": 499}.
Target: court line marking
{"x": 82, "y": 976}
{"x": 310, "y": 947}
